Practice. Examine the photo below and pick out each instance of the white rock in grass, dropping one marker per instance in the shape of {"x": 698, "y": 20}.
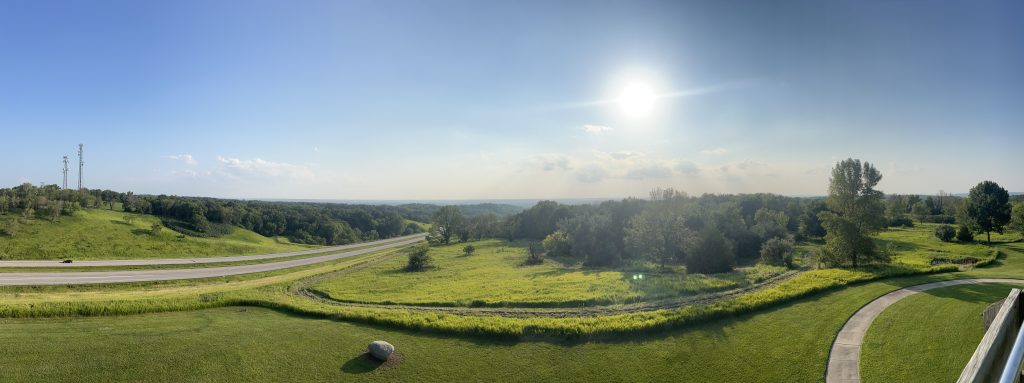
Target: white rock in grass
{"x": 381, "y": 349}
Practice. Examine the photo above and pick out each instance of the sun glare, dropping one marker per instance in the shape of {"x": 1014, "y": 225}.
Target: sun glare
{"x": 637, "y": 99}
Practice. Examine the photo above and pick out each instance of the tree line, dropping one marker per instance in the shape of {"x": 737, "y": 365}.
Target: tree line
{"x": 300, "y": 222}
{"x": 710, "y": 233}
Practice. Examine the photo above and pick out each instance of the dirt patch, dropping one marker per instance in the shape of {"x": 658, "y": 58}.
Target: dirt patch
{"x": 394, "y": 360}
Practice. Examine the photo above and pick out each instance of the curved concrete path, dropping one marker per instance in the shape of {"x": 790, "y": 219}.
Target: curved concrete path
{"x": 844, "y": 358}
{"x": 94, "y": 277}
{"x": 182, "y": 261}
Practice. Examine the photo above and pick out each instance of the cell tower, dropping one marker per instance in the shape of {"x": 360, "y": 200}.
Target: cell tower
{"x": 81, "y": 164}
{"x": 65, "y": 185}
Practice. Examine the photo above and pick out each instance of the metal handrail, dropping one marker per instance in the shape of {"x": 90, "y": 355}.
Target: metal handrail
{"x": 1011, "y": 371}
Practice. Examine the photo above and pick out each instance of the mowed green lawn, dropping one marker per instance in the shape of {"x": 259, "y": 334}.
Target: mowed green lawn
{"x": 928, "y": 337}
{"x": 788, "y": 343}
{"x": 918, "y": 245}
{"x": 103, "y": 234}
{"x": 495, "y": 275}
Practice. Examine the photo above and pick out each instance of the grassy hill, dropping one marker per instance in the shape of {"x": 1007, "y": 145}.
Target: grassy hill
{"x": 104, "y": 234}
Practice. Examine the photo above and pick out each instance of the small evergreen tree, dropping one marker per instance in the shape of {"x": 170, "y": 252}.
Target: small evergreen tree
{"x": 964, "y": 234}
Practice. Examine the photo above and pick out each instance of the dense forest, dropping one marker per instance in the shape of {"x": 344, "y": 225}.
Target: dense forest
{"x": 301, "y": 222}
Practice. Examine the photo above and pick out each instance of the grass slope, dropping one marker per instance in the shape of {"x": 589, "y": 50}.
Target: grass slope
{"x": 918, "y": 245}
{"x": 786, "y": 343}
{"x": 103, "y": 234}
{"x": 928, "y": 337}
{"x": 496, "y": 276}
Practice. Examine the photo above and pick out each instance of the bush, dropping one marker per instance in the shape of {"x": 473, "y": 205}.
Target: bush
{"x": 713, "y": 253}
{"x": 964, "y": 234}
{"x": 945, "y": 233}
{"x": 11, "y": 230}
{"x": 419, "y": 259}
{"x": 901, "y": 221}
{"x": 777, "y": 252}
{"x": 155, "y": 229}
{"x": 468, "y": 250}
{"x": 557, "y": 244}
{"x": 536, "y": 254}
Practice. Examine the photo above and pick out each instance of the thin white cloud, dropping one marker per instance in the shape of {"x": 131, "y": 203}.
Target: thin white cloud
{"x": 260, "y": 167}
{"x": 596, "y": 130}
{"x": 186, "y": 158}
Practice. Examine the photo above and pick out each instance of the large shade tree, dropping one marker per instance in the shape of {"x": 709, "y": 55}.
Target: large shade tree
{"x": 987, "y": 209}
{"x": 855, "y": 213}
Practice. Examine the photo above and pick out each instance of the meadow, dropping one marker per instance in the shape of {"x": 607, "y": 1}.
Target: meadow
{"x": 496, "y": 275}
{"x": 104, "y": 234}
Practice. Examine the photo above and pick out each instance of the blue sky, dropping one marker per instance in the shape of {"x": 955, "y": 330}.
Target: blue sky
{"x": 445, "y": 100}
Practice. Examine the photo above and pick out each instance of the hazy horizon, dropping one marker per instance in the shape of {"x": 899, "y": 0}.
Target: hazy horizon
{"x": 459, "y": 101}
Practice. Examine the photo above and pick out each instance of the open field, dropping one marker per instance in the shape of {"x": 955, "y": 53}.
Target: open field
{"x": 103, "y": 234}
{"x": 713, "y": 342}
{"x": 495, "y": 275}
{"x": 918, "y": 246}
{"x": 928, "y": 336}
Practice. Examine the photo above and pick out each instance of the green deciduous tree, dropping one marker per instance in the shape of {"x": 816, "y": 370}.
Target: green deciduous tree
{"x": 419, "y": 258}
{"x": 856, "y": 213}
{"x": 945, "y": 233}
{"x": 777, "y": 252}
{"x": 711, "y": 253}
{"x": 659, "y": 232}
{"x": 557, "y": 244}
{"x": 987, "y": 209}
{"x": 449, "y": 222}
{"x": 1017, "y": 218}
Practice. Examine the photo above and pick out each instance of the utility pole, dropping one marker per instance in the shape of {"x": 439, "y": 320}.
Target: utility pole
{"x": 65, "y": 184}
{"x": 81, "y": 163}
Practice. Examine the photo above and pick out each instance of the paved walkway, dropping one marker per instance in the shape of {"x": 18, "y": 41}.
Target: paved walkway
{"x": 844, "y": 358}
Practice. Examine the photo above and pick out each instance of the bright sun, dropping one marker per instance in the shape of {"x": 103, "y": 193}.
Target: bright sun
{"x": 637, "y": 99}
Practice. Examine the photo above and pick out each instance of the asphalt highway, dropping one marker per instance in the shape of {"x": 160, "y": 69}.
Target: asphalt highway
{"x": 182, "y": 261}
{"x": 97, "y": 277}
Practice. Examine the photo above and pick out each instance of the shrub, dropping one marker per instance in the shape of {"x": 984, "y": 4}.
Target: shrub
{"x": 468, "y": 250}
{"x": 11, "y": 229}
{"x": 557, "y": 244}
{"x": 419, "y": 259}
{"x": 777, "y": 252}
{"x": 945, "y": 233}
{"x": 901, "y": 221}
{"x": 964, "y": 234}
{"x": 536, "y": 254}
{"x": 713, "y": 253}
{"x": 155, "y": 229}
